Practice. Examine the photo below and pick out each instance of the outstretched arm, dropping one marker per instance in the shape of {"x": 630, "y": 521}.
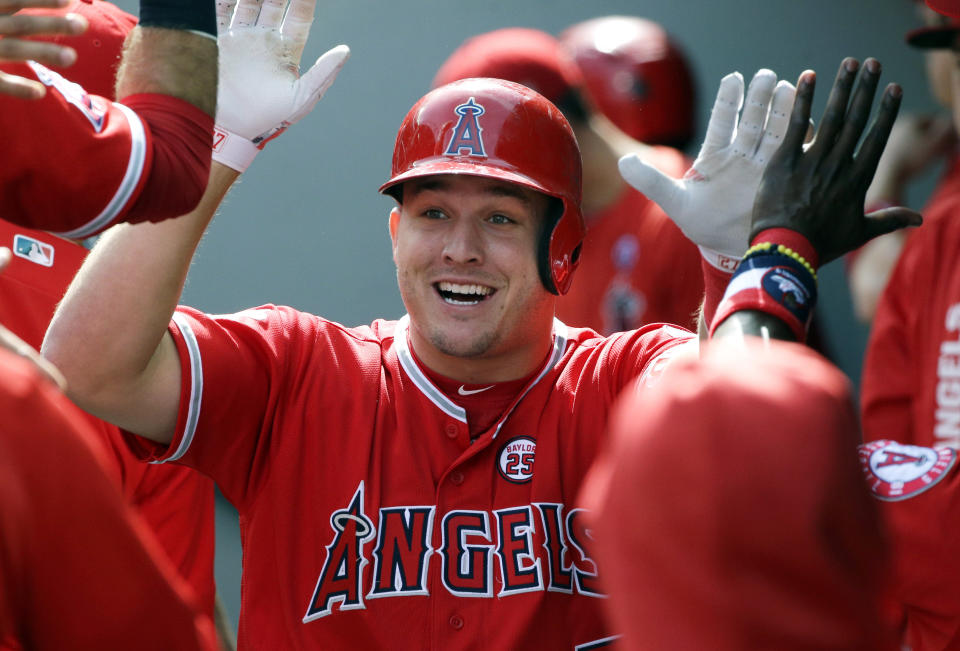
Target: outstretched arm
{"x": 809, "y": 207}
{"x": 109, "y": 335}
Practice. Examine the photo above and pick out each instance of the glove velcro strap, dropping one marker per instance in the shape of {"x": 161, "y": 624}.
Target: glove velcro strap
{"x": 772, "y": 282}
{"x": 236, "y": 152}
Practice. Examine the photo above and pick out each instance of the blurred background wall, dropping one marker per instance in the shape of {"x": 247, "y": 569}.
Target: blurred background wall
{"x": 306, "y": 227}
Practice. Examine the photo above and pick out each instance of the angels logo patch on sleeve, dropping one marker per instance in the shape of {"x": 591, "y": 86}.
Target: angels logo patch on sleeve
{"x": 895, "y": 471}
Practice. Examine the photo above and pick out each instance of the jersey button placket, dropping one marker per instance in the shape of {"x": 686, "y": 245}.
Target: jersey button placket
{"x": 451, "y": 430}
{"x": 456, "y": 478}
{"x": 456, "y": 622}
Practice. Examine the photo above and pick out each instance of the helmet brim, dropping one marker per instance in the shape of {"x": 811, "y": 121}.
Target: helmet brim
{"x": 464, "y": 168}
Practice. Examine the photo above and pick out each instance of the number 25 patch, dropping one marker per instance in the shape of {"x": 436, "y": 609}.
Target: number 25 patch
{"x": 895, "y": 471}
{"x": 515, "y": 460}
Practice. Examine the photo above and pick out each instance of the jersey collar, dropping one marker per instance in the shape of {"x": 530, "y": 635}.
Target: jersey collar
{"x": 436, "y": 396}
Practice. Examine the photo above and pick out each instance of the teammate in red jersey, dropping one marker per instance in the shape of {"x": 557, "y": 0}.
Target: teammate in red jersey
{"x": 177, "y": 503}
{"x": 909, "y": 394}
{"x": 146, "y": 158}
{"x": 77, "y": 569}
{"x": 636, "y": 266}
{"x": 744, "y": 464}
{"x": 413, "y": 483}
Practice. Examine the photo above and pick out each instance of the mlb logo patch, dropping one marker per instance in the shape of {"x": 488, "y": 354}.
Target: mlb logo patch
{"x": 33, "y": 250}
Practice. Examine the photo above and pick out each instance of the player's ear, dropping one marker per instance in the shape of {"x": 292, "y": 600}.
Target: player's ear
{"x": 394, "y": 223}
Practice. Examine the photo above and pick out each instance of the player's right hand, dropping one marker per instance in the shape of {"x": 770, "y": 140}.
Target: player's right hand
{"x": 13, "y": 48}
{"x": 713, "y": 203}
{"x": 261, "y": 91}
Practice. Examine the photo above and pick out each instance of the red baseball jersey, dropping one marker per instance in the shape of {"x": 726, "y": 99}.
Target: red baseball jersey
{"x": 909, "y": 392}
{"x": 729, "y": 512}
{"x": 637, "y": 267}
{"x": 369, "y": 518}
{"x": 77, "y": 570}
{"x": 177, "y": 503}
{"x": 73, "y": 163}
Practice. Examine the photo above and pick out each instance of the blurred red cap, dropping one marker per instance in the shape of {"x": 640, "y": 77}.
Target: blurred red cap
{"x": 524, "y": 56}
{"x": 730, "y": 512}
{"x": 945, "y": 7}
{"x": 98, "y": 49}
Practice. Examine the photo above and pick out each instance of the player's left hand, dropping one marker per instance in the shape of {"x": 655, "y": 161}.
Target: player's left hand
{"x": 713, "y": 203}
{"x": 819, "y": 190}
{"x": 261, "y": 91}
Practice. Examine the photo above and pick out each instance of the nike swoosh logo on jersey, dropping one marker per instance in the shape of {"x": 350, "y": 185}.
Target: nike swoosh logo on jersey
{"x": 468, "y": 392}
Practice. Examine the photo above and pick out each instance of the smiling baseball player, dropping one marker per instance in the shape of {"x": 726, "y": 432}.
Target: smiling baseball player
{"x": 381, "y": 508}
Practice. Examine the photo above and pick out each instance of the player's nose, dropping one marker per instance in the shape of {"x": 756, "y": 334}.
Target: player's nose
{"x": 464, "y": 242}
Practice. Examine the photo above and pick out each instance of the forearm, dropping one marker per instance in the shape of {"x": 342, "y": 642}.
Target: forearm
{"x": 170, "y": 62}
{"x": 109, "y": 334}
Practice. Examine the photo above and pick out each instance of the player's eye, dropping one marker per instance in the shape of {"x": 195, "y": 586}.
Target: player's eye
{"x": 500, "y": 218}
{"x": 434, "y": 213}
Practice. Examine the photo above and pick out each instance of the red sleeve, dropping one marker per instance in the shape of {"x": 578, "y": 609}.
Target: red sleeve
{"x": 76, "y": 163}
{"x": 889, "y": 382}
{"x": 71, "y": 549}
{"x": 236, "y": 375}
{"x": 72, "y": 161}
{"x": 182, "y": 137}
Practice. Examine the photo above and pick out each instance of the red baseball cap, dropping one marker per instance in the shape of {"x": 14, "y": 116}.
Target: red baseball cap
{"x": 98, "y": 48}
{"x": 730, "y": 510}
{"x": 524, "y": 56}
{"x": 941, "y": 35}
{"x": 945, "y": 7}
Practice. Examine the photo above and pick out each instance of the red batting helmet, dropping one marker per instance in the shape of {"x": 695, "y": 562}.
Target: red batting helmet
{"x": 500, "y": 130}
{"x": 98, "y": 48}
{"x": 527, "y": 56}
{"x": 945, "y": 7}
{"x": 635, "y": 75}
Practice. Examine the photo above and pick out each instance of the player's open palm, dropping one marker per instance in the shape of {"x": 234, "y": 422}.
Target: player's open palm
{"x": 261, "y": 91}
{"x": 713, "y": 203}
{"x": 819, "y": 190}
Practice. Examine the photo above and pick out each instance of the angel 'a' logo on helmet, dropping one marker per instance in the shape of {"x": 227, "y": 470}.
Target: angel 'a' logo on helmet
{"x": 468, "y": 134}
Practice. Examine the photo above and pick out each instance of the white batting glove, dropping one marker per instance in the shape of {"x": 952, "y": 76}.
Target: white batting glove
{"x": 713, "y": 203}
{"x": 261, "y": 92}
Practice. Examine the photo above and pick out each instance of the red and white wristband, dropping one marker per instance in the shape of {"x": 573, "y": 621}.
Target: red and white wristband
{"x": 778, "y": 276}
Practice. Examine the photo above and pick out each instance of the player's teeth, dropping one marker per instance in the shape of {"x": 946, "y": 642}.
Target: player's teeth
{"x": 457, "y": 288}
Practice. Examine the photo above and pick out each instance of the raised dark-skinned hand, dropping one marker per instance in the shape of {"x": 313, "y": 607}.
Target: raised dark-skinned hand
{"x": 819, "y": 190}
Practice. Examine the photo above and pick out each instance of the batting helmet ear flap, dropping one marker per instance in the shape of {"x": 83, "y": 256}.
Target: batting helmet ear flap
{"x": 556, "y": 272}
